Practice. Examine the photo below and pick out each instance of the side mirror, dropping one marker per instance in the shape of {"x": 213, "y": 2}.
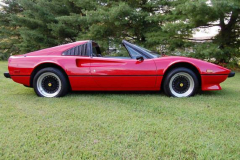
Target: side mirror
{"x": 140, "y": 58}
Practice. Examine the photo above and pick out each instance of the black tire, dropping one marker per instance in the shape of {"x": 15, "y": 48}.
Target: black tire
{"x": 180, "y": 82}
{"x": 50, "y": 82}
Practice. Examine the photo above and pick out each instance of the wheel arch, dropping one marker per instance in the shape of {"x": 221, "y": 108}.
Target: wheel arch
{"x": 183, "y": 64}
{"x": 45, "y": 65}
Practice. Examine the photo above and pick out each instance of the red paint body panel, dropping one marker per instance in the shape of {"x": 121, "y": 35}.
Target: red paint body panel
{"x": 25, "y": 80}
{"x": 165, "y": 62}
{"x": 79, "y": 83}
{"x": 87, "y": 83}
{"x": 55, "y": 50}
{"x": 211, "y": 82}
{"x": 109, "y": 74}
{"x": 123, "y": 73}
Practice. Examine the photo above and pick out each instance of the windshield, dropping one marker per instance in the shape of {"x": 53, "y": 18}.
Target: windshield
{"x": 154, "y": 54}
{"x": 147, "y": 53}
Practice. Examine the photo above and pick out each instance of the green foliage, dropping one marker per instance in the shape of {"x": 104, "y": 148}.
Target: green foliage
{"x": 120, "y": 125}
{"x": 36, "y": 22}
{"x": 9, "y": 33}
{"x": 186, "y": 15}
{"x": 207, "y": 51}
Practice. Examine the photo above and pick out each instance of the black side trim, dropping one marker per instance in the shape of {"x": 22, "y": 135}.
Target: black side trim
{"x": 7, "y": 75}
{"x": 113, "y": 75}
{"x": 232, "y": 74}
{"x": 20, "y": 76}
{"x": 213, "y": 74}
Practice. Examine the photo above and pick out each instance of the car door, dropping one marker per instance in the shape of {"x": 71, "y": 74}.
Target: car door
{"x": 123, "y": 74}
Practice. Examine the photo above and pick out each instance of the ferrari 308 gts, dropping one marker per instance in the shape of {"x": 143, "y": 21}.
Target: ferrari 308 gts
{"x": 81, "y": 66}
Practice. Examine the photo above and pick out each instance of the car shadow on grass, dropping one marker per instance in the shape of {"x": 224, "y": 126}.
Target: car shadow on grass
{"x": 160, "y": 93}
{"x": 143, "y": 93}
{"x": 225, "y": 92}
{"x": 75, "y": 93}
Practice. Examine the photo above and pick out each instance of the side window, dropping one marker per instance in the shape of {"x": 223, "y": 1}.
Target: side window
{"x": 119, "y": 53}
{"x": 133, "y": 52}
{"x": 80, "y": 50}
{"x": 96, "y": 52}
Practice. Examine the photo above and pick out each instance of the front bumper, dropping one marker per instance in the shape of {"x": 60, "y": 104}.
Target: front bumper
{"x": 7, "y": 75}
{"x": 232, "y": 74}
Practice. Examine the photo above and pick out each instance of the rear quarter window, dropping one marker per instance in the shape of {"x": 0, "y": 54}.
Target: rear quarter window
{"x": 80, "y": 50}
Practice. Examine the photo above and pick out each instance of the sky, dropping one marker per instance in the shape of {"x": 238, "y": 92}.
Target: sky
{"x": 209, "y": 32}
{"x": 0, "y": 1}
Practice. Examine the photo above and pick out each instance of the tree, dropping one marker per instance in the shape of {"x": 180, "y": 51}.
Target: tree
{"x": 155, "y": 24}
{"x": 9, "y": 33}
{"x": 109, "y": 22}
{"x": 35, "y": 24}
{"x": 45, "y": 23}
{"x": 184, "y": 16}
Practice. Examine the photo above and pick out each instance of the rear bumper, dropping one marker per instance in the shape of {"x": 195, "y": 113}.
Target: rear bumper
{"x": 232, "y": 74}
{"x": 7, "y": 75}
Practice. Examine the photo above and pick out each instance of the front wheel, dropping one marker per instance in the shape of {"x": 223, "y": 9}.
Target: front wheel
{"x": 181, "y": 82}
{"x": 50, "y": 82}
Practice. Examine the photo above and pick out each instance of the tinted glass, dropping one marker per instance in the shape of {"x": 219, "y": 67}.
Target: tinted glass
{"x": 80, "y": 50}
{"x": 134, "y": 53}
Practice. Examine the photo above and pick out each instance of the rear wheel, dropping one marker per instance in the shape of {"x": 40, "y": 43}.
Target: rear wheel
{"x": 181, "y": 82}
{"x": 50, "y": 82}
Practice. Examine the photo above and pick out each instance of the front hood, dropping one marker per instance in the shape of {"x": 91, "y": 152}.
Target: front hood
{"x": 203, "y": 66}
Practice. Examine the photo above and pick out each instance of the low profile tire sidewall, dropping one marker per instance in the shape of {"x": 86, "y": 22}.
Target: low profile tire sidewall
{"x": 60, "y": 78}
{"x": 186, "y": 73}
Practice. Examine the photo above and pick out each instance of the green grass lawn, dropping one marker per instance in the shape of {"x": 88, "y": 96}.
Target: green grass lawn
{"x": 119, "y": 125}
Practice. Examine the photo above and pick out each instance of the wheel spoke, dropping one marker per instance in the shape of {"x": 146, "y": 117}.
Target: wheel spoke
{"x": 181, "y": 84}
{"x": 49, "y": 84}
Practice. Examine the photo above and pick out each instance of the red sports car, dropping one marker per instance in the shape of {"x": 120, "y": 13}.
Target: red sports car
{"x": 81, "y": 66}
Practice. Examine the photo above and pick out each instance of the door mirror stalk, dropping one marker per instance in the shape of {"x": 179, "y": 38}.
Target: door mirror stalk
{"x": 140, "y": 58}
